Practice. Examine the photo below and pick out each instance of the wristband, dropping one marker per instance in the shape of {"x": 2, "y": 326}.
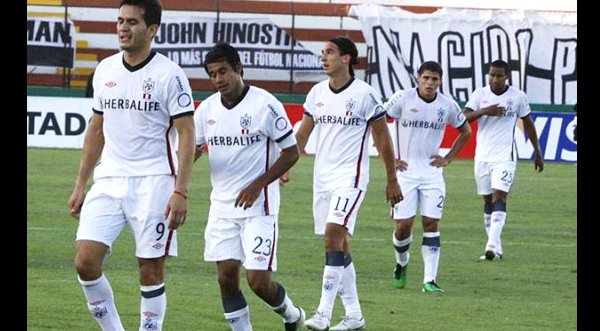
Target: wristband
{"x": 183, "y": 195}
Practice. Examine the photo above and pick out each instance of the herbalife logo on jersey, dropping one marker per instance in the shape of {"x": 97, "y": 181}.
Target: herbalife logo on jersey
{"x": 147, "y": 87}
{"x": 245, "y": 122}
{"x": 350, "y": 105}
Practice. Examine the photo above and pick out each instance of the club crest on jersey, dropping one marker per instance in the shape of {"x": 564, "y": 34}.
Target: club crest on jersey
{"x": 509, "y": 105}
{"x": 245, "y": 122}
{"x": 148, "y": 87}
{"x": 440, "y": 113}
{"x": 350, "y": 105}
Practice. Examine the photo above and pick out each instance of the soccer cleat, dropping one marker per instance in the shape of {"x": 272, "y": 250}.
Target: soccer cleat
{"x": 296, "y": 326}
{"x": 349, "y": 323}
{"x": 319, "y": 322}
{"x": 400, "y": 276}
{"x": 496, "y": 256}
{"x": 432, "y": 287}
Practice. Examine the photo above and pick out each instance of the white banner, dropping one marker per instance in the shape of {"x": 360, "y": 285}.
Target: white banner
{"x": 50, "y": 42}
{"x": 260, "y": 43}
{"x": 57, "y": 122}
{"x": 540, "y": 47}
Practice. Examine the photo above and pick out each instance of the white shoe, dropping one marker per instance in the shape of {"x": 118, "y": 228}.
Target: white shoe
{"x": 298, "y": 324}
{"x": 318, "y": 322}
{"x": 349, "y": 323}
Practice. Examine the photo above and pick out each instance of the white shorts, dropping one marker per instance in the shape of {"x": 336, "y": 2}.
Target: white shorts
{"x": 491, "y": 176}
{"x": 139, "y": 202}
{"x": 250, "y": 240}
{"x": 428, "y": 197}
{"x": 340, "y": 207}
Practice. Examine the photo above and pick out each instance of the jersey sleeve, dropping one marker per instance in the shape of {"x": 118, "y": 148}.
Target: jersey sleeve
{"x": 524, "y": 108}
{"x": 309, "y": 103}
{"x": 475, "y": 100}
{"x": 372, "y": 105}
{"x": 199, "y": 123}
{"x": 96, "y": 99}
{"x": 393, "y": 106}
{"x": 179, "y": 94}
{"x": 456, "y": 117}
{"x": 277, "y": 125}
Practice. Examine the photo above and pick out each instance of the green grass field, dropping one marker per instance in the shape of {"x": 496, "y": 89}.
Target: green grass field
{"x": 533, "y": 288}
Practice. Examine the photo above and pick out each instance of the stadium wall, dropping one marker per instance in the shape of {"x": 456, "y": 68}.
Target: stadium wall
{"x": 309, "y": 23}
{"x": 60, "y": 122}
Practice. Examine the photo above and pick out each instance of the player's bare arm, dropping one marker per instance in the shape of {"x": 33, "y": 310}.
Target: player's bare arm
{"x": 382, "y": 139}
{"x": 287, "y": 158}
{"x": 493, "y": 110}
{"x": 460, "y": 142}
{"x": 92, "y": 149}
{"x": 530, "y": 131}
{"x": 177, "y": 207}
{"x": 306, "y": 127}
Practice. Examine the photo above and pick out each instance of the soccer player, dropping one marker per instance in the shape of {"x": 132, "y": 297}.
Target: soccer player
{"x": 496, "y": 107}
{"x": 142, "y": 105}
{"x": 421, "y": 115}
{"x": 342, "y": 110}
{"x": 244, "y": 127}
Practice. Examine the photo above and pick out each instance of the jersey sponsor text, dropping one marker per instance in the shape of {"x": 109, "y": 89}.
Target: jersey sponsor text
{"x": 140, "y": 105}
{"x": 233, "y": 141}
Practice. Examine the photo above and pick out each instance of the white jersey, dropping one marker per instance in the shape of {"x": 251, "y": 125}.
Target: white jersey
{"x": 419, "y": 129}
{"x": 242, "y": 145}
{"x": 138, "y": 105}
{"x": 495, "y": 134}
{"x": 342, "y": 133}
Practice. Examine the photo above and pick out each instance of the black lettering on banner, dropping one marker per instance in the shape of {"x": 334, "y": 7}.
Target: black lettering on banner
{"x": 49, "y": 31}
{"x": 71, "y": 118}
{"x": 31, "y": 115}
{"x": 182, "y": 33}
{"x": 50, "y": 123}
{"x": 50, "y": 42}
{"x": 465, "y": 58}
{"x": 75, "y": 124}
{"x": 261, "y": 45}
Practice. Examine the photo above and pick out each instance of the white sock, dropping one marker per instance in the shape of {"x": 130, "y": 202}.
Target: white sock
{"x": 239, "y": 320}
{"x": 153, "y": 307}
{"x": 498, "y": 220}
{"x": 430, "y": 250}
{"x": 401, "y": 249}
{"x": 348, "y": 292}
{"x": 286, "y": 309}
{"x": 487, "y": 220}
{"x": 332, "y": 276}
{"x": 101, "y": 303}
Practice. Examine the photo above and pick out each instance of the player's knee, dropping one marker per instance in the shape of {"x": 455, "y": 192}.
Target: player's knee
{"x": 430, "y": 225}
{"x": 259, "y": 284}
{"x": 87, "y": 268}
{"x": 227, "y": 282}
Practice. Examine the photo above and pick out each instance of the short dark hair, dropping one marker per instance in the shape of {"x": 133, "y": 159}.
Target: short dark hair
{"x": 152, "y": 9}
{"x": 431, "y": 66}
{"x": 347, "y": 46}
{"x": 220, "y": 52}
{"x": 501, "y": 64}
